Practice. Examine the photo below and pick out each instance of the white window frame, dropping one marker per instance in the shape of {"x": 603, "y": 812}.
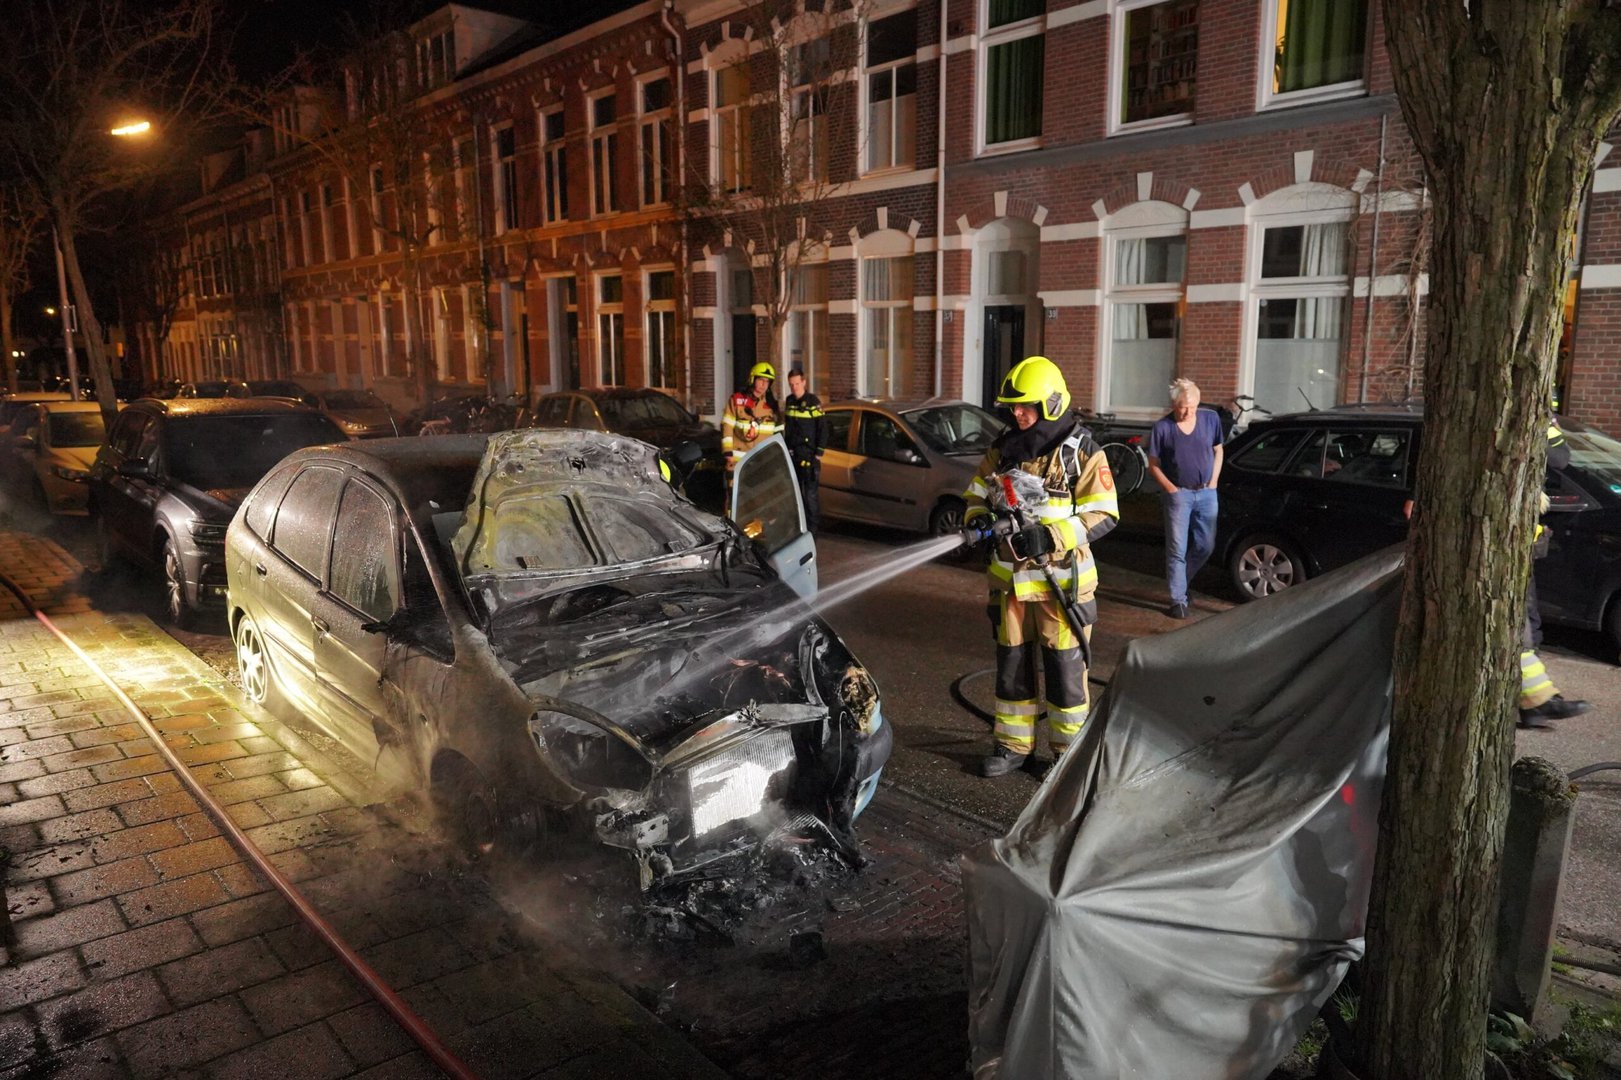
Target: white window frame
{"x": 383, "y": 333}
{"x": 553, "y": 169}
{"x": 1117, "y": 74}
{"x": 1034, "y": 26}
{"x": 308, "y": 200}
{"x": 660, "y": 121}
{"x": 558, "y": 306}
{"x": 890, "y": 68}
{"x": 441, "y": 333}
{"x": 433, "y": 193}
{"x": 466, "y": 176}
{"x": 603, "y": 313}
{"x": 605, "y": 137}
{"x": 1304, "y": 204}
{"x": 325, "y": 200}
{"x": 809, "y": 311}
{"x": 1140, "y": 221}
{"x": 1265, "y": 98}
{"x": 660, "y": 311}
{"x": 738, "y": 113}
{"x": 884, "y": 244}
{"x": 377, "y": 185}
{"x": 504, "y": 179}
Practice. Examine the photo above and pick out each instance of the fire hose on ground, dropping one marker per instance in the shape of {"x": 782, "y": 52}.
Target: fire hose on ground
{"x": 414, "y": 1025}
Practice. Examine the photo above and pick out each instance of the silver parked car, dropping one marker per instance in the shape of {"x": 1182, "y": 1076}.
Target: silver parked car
{"x": 536, "y": 627}
{"x": 903, "y": 464}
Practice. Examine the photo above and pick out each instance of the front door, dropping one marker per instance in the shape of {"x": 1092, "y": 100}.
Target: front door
{"x": 742, "y": 348}
{"x": 1004, "y": 347}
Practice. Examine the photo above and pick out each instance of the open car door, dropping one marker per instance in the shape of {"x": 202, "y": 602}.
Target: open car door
{"x": 766, "y": 504}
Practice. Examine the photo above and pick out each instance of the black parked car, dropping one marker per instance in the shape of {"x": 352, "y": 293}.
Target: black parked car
{"x": 644, "y": 414}
{"x": 164, "y": 485}
{"x": 1306, "y": 493}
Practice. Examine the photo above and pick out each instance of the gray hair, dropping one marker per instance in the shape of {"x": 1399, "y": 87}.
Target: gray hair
{"x": 1181, "y": 388}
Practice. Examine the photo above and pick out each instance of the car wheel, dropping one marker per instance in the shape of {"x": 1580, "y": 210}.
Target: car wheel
{"x": 175, "y": 607}
{"x": 258, "y": 683}
{"x": 1263, "y": 564}
{"x": 947, "y": 519}
{"x": 466, "y": 807}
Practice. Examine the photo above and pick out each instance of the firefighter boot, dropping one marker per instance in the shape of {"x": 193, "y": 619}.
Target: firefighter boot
{"x": 1001, "y": 761}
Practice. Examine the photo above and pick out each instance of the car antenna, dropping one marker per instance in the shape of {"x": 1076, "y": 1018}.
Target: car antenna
{"x": 1309, "y": 406}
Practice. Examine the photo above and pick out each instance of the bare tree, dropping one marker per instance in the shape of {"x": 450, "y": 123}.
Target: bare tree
{"x": 1506, "y": 103}
{"x": 154, "y": 284}
{"x": 779, "y": 159}
{"x": 20, "y": 216}
{"x": 73, "y": 70}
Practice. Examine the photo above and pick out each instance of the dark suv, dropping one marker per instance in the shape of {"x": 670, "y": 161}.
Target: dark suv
{"x": 164, "y": 485}
{"x": 1304, "y": 494}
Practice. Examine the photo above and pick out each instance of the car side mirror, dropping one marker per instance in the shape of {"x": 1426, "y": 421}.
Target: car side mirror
{"x": 25, "y": 442}
{"x": 135, "y": 469}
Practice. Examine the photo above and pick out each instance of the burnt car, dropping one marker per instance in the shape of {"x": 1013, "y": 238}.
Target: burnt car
{"x": 164, "y": 485}
{"x": 644, "y": 414}
{"x": 903, "y": 464}
{"x": 1307, "y": 493}
{"x": 535, "y": 626}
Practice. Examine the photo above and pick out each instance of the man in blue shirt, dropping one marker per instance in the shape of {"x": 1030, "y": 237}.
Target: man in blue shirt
{"x": 1184, "y": 456}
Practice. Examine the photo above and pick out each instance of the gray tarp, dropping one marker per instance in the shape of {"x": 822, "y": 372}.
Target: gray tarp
{"x": 1184, "y": 893}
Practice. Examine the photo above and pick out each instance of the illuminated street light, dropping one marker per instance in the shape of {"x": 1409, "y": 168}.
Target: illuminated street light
{"x": 133, "y": 127}
{"x": 50, "y": 311}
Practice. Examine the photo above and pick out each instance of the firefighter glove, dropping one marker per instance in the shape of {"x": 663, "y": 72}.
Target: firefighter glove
{"x": 1032, "y": 542}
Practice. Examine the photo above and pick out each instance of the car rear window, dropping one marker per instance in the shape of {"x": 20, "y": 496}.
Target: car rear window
{"x": 261, "y": 512}
{"x": 1268, "y": 452}
{"x": 305, "y": 517}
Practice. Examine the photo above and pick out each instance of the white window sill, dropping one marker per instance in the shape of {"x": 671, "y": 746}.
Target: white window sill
{"x": 1314, "y": 96}
{"x": 1017, "y": 146}
{"x": 1159, "y": 123}
{"x": 888, "y": 170}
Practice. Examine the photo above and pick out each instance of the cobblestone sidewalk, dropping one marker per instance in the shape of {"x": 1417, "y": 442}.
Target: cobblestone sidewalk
{"x": 143, "y": 945}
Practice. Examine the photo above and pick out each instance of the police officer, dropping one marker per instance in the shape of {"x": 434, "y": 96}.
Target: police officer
{"x": 806, "y": 430}
{"x": 750, "y": 417}
{"x": 1048, "y": 442}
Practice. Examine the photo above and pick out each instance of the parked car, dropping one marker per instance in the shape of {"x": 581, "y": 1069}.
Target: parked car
{"x": 1306, "y": 493}
{"x": 14, "y": 405}
{"x": 53, "y": 451}
{"x": 535, "y": 625}
{"x": 648, "y": 415}
{"x": 286, "y": 388}
{"x": 164, "y": 485}
{"x": 361, "y": 414}
{"x": 903, "y": 464}
{"x": 218, "y": 388}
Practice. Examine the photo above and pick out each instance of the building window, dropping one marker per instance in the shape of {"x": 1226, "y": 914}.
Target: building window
{"x": 465, "y": 153}
{"x": 604, "y": 155}
{"x": 1319, "y": 50}
{"x": 886, "y": 303}
{"x": 731, "y": 98}
{"x": 378, "y": 185}
{"x": 505, "y": 178}
{"x": 891, "y": 85}
{"x": 436, "y": 59}
{"x": 1156, "y": 53}
{"x": 328, "y": 200}
{"x": 1012, "y": 55}
{"x": 1300, "y": 295}
{"x": 806, "y": 345}
{"x": 563, "y": 315}
{"x": 1146, "y": 276}
{"x": 661, "y": 328}
{"x": 611, "y": 330}
{"x": 554, "y": 166}
{"x": 655, "y": 141}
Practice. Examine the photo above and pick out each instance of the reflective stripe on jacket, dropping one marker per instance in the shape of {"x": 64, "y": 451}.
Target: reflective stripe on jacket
{"x": 747, "y": 420}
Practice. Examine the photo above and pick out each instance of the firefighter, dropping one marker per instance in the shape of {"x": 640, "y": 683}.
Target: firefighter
{"x": 806, "y": 429}
{"x": 1540, "y": 701}
{"x": 750, "y": 417}
{"x": 1049, "y": 442}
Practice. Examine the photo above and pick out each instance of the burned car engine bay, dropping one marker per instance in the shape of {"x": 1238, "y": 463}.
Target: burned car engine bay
{"x": 706, "y": 720}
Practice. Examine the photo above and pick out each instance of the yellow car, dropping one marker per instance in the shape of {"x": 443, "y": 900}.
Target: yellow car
{"x": 57, "y": 445}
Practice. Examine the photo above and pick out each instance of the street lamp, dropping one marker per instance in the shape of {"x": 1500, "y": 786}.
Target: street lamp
{"x": 133, "y": 127}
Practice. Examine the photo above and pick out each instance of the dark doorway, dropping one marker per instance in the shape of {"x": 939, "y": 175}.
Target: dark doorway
{"x": 1004, "y": 347}
{"x": 571, "y": 349}
{"x": 742, "y": 349}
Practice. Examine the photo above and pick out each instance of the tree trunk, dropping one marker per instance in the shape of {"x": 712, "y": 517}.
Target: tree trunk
{"x": 1509, "y": 140}
{"x": 89, "y": 325}
{"x": 7, "y": 343}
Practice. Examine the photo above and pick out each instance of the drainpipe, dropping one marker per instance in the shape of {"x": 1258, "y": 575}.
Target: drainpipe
{"x": 940, "y": 215}
{"x": 1373, "y": 263}
{"x": 1412, "y": 339}
{"x": 683, "y": 267}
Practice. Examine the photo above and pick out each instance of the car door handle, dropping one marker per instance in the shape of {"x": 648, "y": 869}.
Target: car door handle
{"x": 320, "y": 624}
{"x": 807, "y": 557}
{"x": 259, "y": 568}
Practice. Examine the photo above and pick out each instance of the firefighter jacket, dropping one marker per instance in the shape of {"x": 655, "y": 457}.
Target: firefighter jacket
{"x": 1558, "y": 458}
{"x": 748, "y": 421}
{"x": 1081, "y": 506}
{"x": 805, "y": 428}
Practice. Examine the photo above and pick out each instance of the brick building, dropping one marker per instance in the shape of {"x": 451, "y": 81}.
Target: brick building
{"x": 1137, "y": 188}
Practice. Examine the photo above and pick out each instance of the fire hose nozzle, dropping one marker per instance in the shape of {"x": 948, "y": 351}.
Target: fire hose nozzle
{"x": 984, "y": 528}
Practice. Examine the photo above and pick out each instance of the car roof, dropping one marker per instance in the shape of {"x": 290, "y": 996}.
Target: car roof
{"x": 222, "y": 406}
{"x": 26, "y": 397}
{"x": 1339, "y": 414}
{"x": 73, "y": 406}
{"x": 414, "y": 466}
{"x": 898, "y": 405}
{"x": 610, "y": 393}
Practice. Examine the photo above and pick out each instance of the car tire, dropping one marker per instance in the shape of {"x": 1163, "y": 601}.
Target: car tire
{"x": 465, "y": 806}
{"x": 253, "y": 666}
{"x": 1264, "y": 564}
{"x": 946, "y": 519}
{"x": 176, "y": 609}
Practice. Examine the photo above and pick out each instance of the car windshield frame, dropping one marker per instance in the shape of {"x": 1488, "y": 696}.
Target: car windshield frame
{"x": 76, "y": 430}
{"x": 216, "y": 452}
{"x": 636, "y": 412}
{"x": 958, "y": 445}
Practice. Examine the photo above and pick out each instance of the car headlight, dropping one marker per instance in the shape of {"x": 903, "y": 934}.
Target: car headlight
{"x": 69, "y": 473}
{"x": 206, "y": 532}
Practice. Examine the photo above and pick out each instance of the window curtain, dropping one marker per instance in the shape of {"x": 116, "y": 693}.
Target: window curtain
{"x": 1013, "y": 82}
{"x": 1322, "y": 254}
{"x": 1130, "y": 268}
{"x": 1321, "y": 44}
{"x": 1003, "y": 12}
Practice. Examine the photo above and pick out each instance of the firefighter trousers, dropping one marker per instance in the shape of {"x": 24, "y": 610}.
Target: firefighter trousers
{"x": 1023, "y": 629}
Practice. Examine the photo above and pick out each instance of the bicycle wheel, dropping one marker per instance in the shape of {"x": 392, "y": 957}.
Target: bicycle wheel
{"x": 1127, "y": 464}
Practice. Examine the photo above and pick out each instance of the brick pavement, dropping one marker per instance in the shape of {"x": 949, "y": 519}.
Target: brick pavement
{"x": 144, "y": 945}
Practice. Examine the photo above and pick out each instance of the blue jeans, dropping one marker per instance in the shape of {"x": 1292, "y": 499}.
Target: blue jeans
{"x": 1190, "y": 536}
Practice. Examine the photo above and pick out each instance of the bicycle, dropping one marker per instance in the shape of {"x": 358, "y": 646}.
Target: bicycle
{"x": 1242, "y": 411}
{"x": 1122, "y": 450}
